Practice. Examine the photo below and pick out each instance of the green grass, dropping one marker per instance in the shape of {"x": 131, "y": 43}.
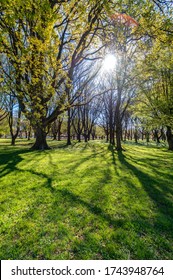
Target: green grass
{"x": 86, "y": 202}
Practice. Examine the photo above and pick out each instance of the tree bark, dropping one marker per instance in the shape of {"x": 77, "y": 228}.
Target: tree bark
{"x": 118, "y": 123}
{"x": 136, "y": 136}
{"x": 59, "y": 130}
{"x": 69, "y": 128}
{"x": 169, "y": 138}
{"x": 13, "y": 139}
{"x": 118, "y": 138}
{"x": 40, "y": 142}
{"x": 147, "y": 137}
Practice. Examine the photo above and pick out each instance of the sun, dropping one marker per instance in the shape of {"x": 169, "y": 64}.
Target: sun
{"x": 109, "y": 63}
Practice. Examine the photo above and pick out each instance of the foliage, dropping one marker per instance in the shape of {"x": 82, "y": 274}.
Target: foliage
{"x": 156, "y": 86}
{"x": 41, "y": 43}
{"x": 4, "y": 127}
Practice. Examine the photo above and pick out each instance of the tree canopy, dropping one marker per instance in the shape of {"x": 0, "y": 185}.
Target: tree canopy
{"x": 44, "y": 41}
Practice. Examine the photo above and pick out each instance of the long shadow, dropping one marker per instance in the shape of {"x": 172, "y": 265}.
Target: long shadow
{"x": 156, "y": 168}
{"x": 150, "y": 184}
{"x": 10, "y": 160}
{"x": 76, "y": 199}
{"x": 142, "y": 226}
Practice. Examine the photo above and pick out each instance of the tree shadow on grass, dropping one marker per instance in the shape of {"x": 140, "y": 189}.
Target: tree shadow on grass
{"x": 10, "y": 159}
{"x": 126, "y": 241}
{"x": 154, "y": 187}
{"x": 128, "y": 237}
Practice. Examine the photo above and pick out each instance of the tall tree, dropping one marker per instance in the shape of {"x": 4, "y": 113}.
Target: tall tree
{"x": 43, "y": 42}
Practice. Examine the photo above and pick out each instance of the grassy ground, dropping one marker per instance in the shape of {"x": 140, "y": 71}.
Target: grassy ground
{"x": 86, "y": 202}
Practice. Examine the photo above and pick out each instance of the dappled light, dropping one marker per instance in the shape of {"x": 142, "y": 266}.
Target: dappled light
{"x": 94, "y": 202}
{"x": 86, "y": 130}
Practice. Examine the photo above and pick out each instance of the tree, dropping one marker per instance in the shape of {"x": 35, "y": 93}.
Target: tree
{"x": 43, "y": 42}
{"x": 155, "y": 96}
{"x": 3, "y": 112}
{"x": 56, "y": 128}
{"x": 14, "y": 117}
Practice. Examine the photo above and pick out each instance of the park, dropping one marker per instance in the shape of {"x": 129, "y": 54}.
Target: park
{"x": 86, "y": 130}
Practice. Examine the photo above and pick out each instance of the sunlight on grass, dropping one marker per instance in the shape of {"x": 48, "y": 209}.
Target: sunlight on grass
{"x": 86, "y": 201}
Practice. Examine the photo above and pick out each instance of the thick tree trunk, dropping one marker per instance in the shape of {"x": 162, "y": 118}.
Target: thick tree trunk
{"x": 118, "y": 140}
{"x": 40, "y": 142}
{"x": 13, "y": 139}
{"x": 118, "y": 137}
{"x": 169, "y": 138}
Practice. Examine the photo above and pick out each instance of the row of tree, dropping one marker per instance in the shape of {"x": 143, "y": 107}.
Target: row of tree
{"x": 52, "y": 54}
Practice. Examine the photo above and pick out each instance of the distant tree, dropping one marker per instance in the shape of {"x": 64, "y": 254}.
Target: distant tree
{"x": 155, "y": 98}
{"x": 14, "y": 116}
{"x": 56, "y": 128}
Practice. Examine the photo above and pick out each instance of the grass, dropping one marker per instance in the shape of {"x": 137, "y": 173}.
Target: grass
{"x": 86, "y": 201}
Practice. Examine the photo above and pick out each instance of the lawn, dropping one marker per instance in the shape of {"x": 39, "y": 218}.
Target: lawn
{"x": 86, "y": 201}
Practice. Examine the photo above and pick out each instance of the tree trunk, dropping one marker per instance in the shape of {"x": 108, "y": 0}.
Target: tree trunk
{"x": 79, "y": 137}
{"x": 125, "y": 134}
{"x": 54, "y": 136}
{"x": 29, "y": 133}
{"x": 10, "y": 121}
{"x": 69, "y": 128}
{"x": 118, "y": 138}
{"x": 107, "y": 132}
{"x": 156, "y": 136}
{"x": 59, "y": 135}
{"x": 131, "y": 133}
{"x": 147, "y": 137}
{"x": 59, "y": 131}
{"x": 118, "y": 125}
{"x": 85, "y": 136}
{"x": 13, "y": 139}
{"x": 136, "y": 136}
{"x": 169, "y": 138}
{"x": 40, "y": 142}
